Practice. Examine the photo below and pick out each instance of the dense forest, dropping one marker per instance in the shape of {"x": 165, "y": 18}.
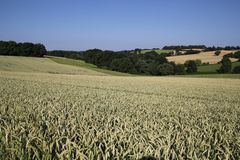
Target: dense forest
{"x": 150, "y": 63}
{"x": 12, "y": 48}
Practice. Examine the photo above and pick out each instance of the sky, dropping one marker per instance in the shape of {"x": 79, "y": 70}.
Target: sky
{"x": 120, "y": 24}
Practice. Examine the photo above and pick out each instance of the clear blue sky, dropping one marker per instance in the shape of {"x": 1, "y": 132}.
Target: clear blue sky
{"x": 120, "y": 24}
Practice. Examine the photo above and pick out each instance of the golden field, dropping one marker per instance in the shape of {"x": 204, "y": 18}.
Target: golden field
{"x": 56, "y": 116}
{"x": 205, "y": 57}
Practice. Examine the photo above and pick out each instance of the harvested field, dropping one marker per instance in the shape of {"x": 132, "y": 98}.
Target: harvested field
{"x": 205, "y": 57}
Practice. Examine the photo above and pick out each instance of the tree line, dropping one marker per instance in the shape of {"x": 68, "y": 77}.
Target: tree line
{"x": 66, "y": 54}
{"x": 183, "y": 47}
{"x": 150, "y": 63}
{"x": 229, "y": 48}
{"x": 233, "y": 55}
{"x": 12, "y": 48}
{"x": 203, "y": 47}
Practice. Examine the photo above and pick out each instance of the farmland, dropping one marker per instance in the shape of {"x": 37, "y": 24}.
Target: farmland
{"x": 90, "y": 116}
{"x": 212, "y": 68}
{"x": 82, "y": 64}
{"x": 41, "y": 65}
{"x": 159, "y": 51}
{"x": 53, "y": 65}
{"x": 205, "y": 57}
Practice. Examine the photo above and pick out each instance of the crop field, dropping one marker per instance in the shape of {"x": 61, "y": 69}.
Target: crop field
{"x": 82, "y": 64}
{"x": 210, "y": 75}
{"x": 212, "y": 68}
{"x": 41, "y": 65}
{"x": 57, "y": 116}
{"x": 205, "y": 57}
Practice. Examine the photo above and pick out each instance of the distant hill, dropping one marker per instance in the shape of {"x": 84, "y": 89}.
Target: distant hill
{"x": 205, "y": 57}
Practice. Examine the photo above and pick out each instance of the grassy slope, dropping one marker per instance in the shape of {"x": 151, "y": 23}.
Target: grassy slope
{"x": 211, "y": 69}
{"x": 159, "y": 51}
{"x": 41, "y": 65}
{"x": 83, "y": 64}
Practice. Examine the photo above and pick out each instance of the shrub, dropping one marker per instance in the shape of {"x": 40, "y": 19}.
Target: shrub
{"x": 165, "y": 69}
{"x": 192, "y": 52}
{"x": 191, "y": 66}
{"x": 226, "y": 65}
{"x": 233, "y": 55}
{"x": 179, "y": 69}
{"x": 198, "y": 62}
{"x": 236, "y": 55}
{"x": 236, "y": 70}
{"x": 205, "y": 63}
{"x": 217, "y": 53}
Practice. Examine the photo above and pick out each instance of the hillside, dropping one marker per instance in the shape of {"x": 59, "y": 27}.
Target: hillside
{"x": 82, "y": 64}
{"x": 41, "y": 65}
{"x": 205, "y": 57}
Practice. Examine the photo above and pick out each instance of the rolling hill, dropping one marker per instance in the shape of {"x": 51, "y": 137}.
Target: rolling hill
{"x": 205, "y": 57}
{"x": 82, "y": 64}
{"x": 41, "y": 65}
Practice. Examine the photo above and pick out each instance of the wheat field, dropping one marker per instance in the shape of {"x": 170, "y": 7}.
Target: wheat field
{"x": 41, "y": 65}
{"x": 54, "y": 116}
